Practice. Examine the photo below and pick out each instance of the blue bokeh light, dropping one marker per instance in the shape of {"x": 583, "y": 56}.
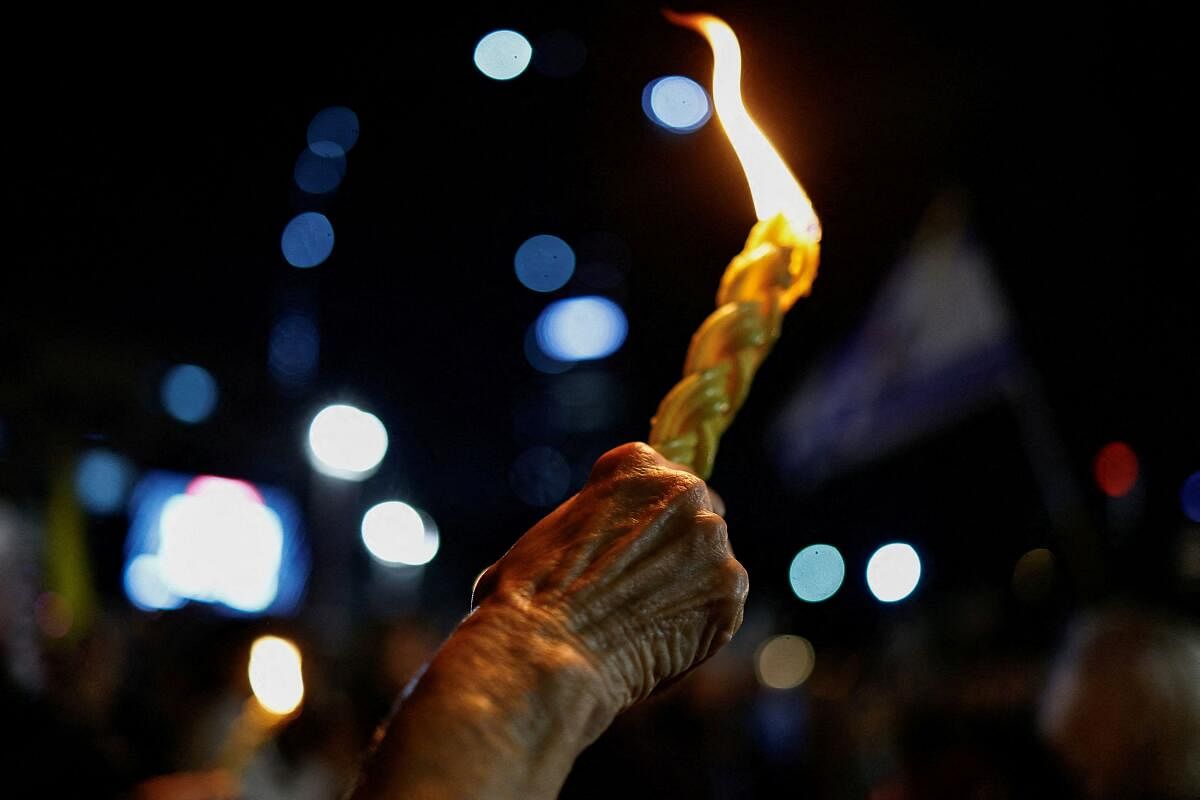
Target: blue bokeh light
{"x": 102, "y": 479}
{"x": 544, "y": 263}
{"x": 539, "y": 360}
{"x": 581, "y": 328}
{"x": 676, "y": 103}
{"x": 503, "y": 55}
{"x": 294, "y": 349}
{"x": 189, "y": 393}
{"x": 817, "y": 572}
{"x": 318, "y": 174}
{"x": 307, "y": 239}
{"x": 540, "y": 476}
{"x": 333, "y": 131}
{"x": 1189, "y": 496}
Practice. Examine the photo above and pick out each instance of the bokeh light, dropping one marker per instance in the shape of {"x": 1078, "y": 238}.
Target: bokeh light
{"x": 676, "y": 103}
{"x": 784, "y": 662}
{"x": 581, "y": 328}
{"x": 102, "y": 479}
{"x": 544, "y": 263}
{"x": 53, "y": 615}
{"x": 893, "y": 571}
{"x": 539, "y": 360}
{"x": 1033, "y": 575}
{"x": 317, "y": 174}
{"x": 1189, "y": 497}
{"x": 559, "y": 54}
{"x": 333, "y": 131}
{"x": 1116, "y": 469}
{"x": 189, "y": 393}
{"x": 276, "y": 674}
{"x": 503, "y": 55}
{"x": 817, "y": 572}
{"x": 307, "y": 240}
{"x": 219, "y": 543}
{"x": 396, "y": 533}
{"x": 540, "y": 477}
{"x": 144, "y": 585}
{"x": 293, "y": 350}
{"x": 346, "y": 442}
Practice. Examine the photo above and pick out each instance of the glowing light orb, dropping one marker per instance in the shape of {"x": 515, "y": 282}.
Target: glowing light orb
{"x": 346, "y": 442}
{"x": 544, "y": 263}
{"x": 1189, "y": 497}
{"x": 102, "y": 479}
{"x": 539, "y": 360}
{"x": 144, "y": 585}
{"x": 817, "y": 572}
{"x": 189, "y": 393}
{"x": 893, "y": 572}
{"x": 784, "y": 662}
{"x": 276, "y": 676}
{"x": 396, "y": 533}
{"x": 219, "y": 543}
{"x": 581, "y": 328}
{"x": 293, "y": 349}
{"x": 676, "y": 103}
{"x": 317, "y": 174}
{"x": 503, "y": 55}
{"x": 1116, "y": 469}
{"x": 333, "y": 132}
{"x": 307, "y": 240}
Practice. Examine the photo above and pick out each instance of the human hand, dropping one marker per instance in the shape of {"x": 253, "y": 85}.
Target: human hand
{"x": 627, "y": 585}
{"x": 634, "y": 575}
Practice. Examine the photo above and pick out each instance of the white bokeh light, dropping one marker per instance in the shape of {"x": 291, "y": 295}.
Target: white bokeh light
{"x": 893, "y": 572}
{"x": 145, "y": 588}
{"x": 676, "y": 103}
{"x": 581, "y": 328}
{"x": 503, "y": 55}
{"x": 219, "y": 543}
{"x": 346, "y": 442}
{"x": 396, "y": 533}
{"x": 276, "y": 676}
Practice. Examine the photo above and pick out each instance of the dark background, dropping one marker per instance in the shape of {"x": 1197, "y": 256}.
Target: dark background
{"x": 150, "y": 178}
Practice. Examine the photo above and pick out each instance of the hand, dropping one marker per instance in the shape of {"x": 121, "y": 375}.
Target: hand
{"x": 628, "y": 584}
{"x": 634, "y": 573}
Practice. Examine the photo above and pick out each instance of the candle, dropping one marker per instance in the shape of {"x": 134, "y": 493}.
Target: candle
{"x": 776, "y": 268}
{"x": 278, "y": 686}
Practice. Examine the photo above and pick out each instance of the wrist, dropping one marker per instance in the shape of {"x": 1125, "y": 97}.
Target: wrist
{"x": 507, "y": 699}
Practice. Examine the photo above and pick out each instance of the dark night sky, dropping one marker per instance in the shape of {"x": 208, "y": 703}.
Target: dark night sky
{"x": 153, "y": 176}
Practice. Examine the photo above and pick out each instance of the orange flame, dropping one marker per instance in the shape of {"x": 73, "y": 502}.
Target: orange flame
{"x": 773, "y": 187}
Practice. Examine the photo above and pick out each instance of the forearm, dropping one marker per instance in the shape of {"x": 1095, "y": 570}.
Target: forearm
{"x": 501, "y": 712}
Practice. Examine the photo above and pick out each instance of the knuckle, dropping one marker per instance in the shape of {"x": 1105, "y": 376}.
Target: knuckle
{"x": 630, "y": 454}
{"x": 736, "y": 581}
{"x": 712, "y": 532}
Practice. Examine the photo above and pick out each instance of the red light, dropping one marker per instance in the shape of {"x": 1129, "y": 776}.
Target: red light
{"x": 1116, "y": 469}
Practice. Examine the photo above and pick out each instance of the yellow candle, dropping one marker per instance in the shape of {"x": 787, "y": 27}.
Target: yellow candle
{"x": 278, "y": 686}
{"x": 776, "y": 268}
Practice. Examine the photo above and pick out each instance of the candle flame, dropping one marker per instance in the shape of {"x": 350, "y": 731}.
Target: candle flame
{"x": 773, "y": 187}
{"x": 275, "y": 674}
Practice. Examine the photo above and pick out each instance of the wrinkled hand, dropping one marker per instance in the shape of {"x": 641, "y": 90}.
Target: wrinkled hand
{"x": 634, "y": 575}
